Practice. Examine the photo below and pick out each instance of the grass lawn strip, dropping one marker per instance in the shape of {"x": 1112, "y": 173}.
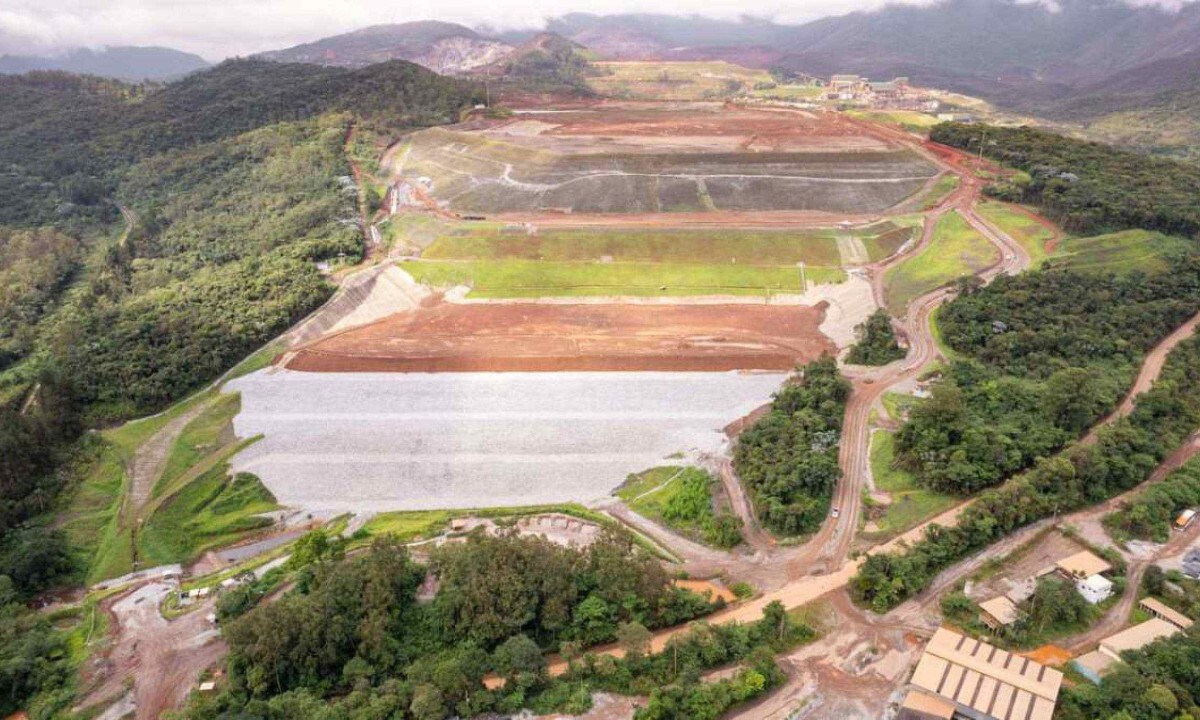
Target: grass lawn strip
{"x": 527, "y": 279}
{"x": 1122, "y": 252}
{"x": 208, "y": 512}
{"x": 1031, "y": 234}
{"x": 911, "y": 504}
{"x": 762, "y": 247}
{"x": 96, "y": 521}
{"x": 199, "y": 438}
{"x": 956, "y": 250}
{"x": 941, "y": 189}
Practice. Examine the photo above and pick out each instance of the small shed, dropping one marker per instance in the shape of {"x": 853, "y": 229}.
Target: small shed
{"x": 1094, "y": 665}
{"x": 998, "y": 613}
{"x": 1095, "y": 588}
{"x": 1162, "y": 611}
{"x": 1082, "y": 564}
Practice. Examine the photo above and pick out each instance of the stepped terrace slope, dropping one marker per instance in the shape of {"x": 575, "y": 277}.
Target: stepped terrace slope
{"x": 685, "y": 157}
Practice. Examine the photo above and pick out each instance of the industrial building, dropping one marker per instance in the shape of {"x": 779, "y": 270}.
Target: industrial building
{"x": 982, "y": 681}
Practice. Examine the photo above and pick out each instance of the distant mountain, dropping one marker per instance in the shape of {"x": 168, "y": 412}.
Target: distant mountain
{"x": 443, "y": 47}
{"x": 635, "y": 36}
{"x": 998, "y": 41}
{"x": 132, "y": 64}
{"x": 1105, "y": 63}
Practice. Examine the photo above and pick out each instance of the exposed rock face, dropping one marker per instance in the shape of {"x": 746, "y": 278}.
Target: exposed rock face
{"x": 445, "y": 48}
{"x": 459, "y": 54}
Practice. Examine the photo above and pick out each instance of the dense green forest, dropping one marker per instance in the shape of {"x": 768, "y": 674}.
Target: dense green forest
{"x": 1086, "y": 187}
{"x": 353, "y": 640}
{"x": 789, "y": 459}
{"x": 65, "y": 140}
{"x": 1124, "y": 455}
{"x": 1040, "y": 357}
{"x": 151, "y": 236}
{"x": 876, "y": 341}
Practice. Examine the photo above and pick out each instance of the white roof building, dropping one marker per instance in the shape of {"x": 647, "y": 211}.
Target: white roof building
{"x": 1094, "y": 588}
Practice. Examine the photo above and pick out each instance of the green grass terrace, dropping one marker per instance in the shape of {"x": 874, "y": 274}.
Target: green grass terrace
{"x": 507, "y": 262}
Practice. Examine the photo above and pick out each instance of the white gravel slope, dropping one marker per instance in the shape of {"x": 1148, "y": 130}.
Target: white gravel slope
{"x": 414, "y": 441}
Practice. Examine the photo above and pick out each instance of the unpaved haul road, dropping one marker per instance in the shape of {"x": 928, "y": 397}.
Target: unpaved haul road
{"x": 821, "y": 566}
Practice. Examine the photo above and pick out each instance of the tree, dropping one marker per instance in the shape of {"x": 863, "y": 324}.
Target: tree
{"x": 634, "y": 638}
{"x": 877, "y": 343}
{"x": 519, "y": 658}
{"x": 593, "y": 621}
{"x": 428, "y": 703}
{"x": 1161, "y": 697}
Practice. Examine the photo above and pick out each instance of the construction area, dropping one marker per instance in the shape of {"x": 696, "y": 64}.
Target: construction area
{"x": 654, "y": 158}
{"x": 552, "y": 337}
{"x": 566, "y": 297}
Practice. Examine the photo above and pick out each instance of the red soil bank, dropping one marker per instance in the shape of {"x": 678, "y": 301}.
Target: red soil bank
{"x": 547, "y": 337}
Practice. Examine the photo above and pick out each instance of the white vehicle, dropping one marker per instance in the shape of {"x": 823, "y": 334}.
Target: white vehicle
{"x": 835, "y": 513}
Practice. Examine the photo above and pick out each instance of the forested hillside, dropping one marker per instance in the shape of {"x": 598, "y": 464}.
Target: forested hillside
{"x": 1086, "y": 187}
{"x": 150, "y": 238}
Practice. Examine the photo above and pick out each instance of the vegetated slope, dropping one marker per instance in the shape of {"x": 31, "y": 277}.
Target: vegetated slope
{"x": 788, "y": 459}
{"x": 1086, "y": 187}
{"x": 1153, "y": 107}
{"x": 546, "y": 62}
{"x": 227, "y": 172}
{"x": 234, "y": 181}
{"x": 64, "y": 138}
{"x": 440, "y": 46}
{"x": 133, "y": 64}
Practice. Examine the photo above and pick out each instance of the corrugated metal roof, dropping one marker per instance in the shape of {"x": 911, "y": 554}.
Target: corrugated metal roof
{"x": 929, "y": 705}
{"x": 987, "y": 679}
{"x": 1166, "y": 612}
{"x": 1137, "y": 636}
{"x": 1083, "y": 564}
{"x": 1001, "y": 608}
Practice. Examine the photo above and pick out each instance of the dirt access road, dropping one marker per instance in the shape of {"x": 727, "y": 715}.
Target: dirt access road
{"x": 821, "y": 566}
{"x": 1152, "y": 365}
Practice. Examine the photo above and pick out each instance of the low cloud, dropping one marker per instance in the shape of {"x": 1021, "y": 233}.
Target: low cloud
{"x": 217, "y": 29}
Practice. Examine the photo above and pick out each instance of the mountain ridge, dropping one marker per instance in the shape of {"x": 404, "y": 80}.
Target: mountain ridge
{"x": 120, "y": 62}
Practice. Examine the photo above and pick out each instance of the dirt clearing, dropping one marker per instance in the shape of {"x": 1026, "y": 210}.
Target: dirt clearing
{"x": 586, "y": 337}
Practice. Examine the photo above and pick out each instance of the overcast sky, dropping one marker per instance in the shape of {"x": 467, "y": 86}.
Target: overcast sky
{"x": 220, "y": 28}
{"x": 217, "y": 29}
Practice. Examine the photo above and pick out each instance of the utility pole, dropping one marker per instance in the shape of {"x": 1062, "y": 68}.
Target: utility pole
{"x": 487, "y": 88}
{"x": 803, "y": 281}
{"x": 982, "y": 137}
